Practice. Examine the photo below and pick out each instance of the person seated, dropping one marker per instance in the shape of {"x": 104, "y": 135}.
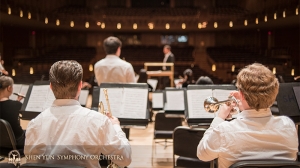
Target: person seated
{"x": 66, "y": 130}
{"x": 187, "y": 78}
{"x": 204, "y": 80}
{"x": 10, "y": 109}
{"x": 255, "y": 133}
{"x": 143, "y": 79}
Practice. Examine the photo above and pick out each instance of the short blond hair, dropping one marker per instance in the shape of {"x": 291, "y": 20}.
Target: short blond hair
{"x": 258, "y": 85}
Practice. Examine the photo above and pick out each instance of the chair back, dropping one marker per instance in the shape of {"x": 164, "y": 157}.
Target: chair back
{"x": 166, "y": 124}
{"x": 7, "y": 139}
{"x": 266, "y": 164}
{"x": 181, "y": 135}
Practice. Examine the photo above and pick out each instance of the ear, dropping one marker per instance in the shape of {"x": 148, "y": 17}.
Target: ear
{"x": 9, "y": 88}
{"x": 80, "y": 86}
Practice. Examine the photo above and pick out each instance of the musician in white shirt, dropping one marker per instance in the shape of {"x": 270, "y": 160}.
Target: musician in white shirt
{"x": 112, "y": 69}
{"x": 255, "y": 133}
{"x": 70, "y": 133}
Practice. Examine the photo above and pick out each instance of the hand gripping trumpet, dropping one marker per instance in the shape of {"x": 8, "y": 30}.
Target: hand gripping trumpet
{"x": 212, "y": 105}
{"x": 108, "y": 113}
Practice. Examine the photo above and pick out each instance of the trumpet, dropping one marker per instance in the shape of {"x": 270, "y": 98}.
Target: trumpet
{"x": 104, "y": 112}
{"x": 212, "y": 105}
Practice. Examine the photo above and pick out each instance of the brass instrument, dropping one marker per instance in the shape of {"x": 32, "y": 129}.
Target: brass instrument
{"x": 212, "y": 105}
{"x": 104, "y": 112}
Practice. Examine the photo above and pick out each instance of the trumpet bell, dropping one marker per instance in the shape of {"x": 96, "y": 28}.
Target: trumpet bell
{"x": 211, "y": 104}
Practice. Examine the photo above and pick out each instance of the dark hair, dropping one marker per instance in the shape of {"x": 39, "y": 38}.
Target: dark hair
{"x": 65, "y": 77}
{"x": 204, "y": 80}
{"x": 111, "y": 45}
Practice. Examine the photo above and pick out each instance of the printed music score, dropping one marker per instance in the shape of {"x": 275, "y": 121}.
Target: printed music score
{"x": 158, "y": 100}
{"x": 174, "y": 100}
{"x": 126, "y": 102}
{"x": 196, "y": 99}
{"x": 41, "y": 97}
{"x": 19, "y": 89}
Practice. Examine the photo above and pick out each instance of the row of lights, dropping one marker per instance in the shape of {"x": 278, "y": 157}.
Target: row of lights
{"x": 31, "y": 70}
{"x": 214, "y": 68}
{"x": 151, "y": 25}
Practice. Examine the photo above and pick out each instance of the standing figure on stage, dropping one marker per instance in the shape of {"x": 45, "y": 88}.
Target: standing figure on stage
{"x": 255, "y": 134}
{"x": 66, "y": 129}
{"x": 10, "y": 109}
{"x": 112, "y": 69}
{"x": 168, "y": 58}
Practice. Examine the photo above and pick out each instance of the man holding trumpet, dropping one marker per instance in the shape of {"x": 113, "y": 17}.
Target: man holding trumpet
{"x": 255, "y": 133}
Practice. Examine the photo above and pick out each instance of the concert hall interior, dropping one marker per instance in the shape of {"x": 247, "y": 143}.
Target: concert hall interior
{"x": 210, "y": 41}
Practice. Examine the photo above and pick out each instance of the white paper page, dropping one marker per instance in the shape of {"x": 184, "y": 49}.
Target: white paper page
{"x": 134, "y": 103}
{"x": 40, "y": 98}
{"x": 195, "y": 100}
{"x": 83, "y": 97}
{"x": 153, "y": 83}
{"x": 175, "y": 100}
{"x": 157, "y": 100}
{"x": 23, "y": 91}
{"x": 115, "y": 96}
{"x": 16, "y": 89}
{"x": 221, "y": 95}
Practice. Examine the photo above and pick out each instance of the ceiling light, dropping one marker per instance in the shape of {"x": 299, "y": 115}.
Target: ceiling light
{"x": 230, "y": 24}
{"x": 72, "y": 23}
{"x": 215, "y": 25}
{"x": 46, "y": 20}
{"x": 87, "y": 24}
{"x": 119, "y": 26}
{"x": 275, "y": 16}
{"x": 183, "y": 26}
{"x": 245, "y": 22}
{"x": 167, "y": 26}
{"x": 134, "y": 26}
{"x": 9, "y": 10}
{"x": 57, "y": 22}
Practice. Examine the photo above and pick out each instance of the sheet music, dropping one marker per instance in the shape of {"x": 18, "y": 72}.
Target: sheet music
{"x": 153, "y": 83}
{"x": 83, "y": 97}
{"x": 297, "y": 94}
{"x": 126, "y": 102}
{"x": 195, "y": 100}
{"x": 222, "y": 94}
{"x": 41, "y": 97}
{"x": 115, "y": 100}
{"x": 134, "y": 103}
{"x": 16, "y": 89}
{"x": 23, "y": 91}
{"x": 158, "y": 100}
{"x": 19, "y": 88}
{"x": 175, "y": 100}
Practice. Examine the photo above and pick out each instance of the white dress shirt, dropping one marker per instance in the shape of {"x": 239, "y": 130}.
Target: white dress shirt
{"x": 112, "y": 69}
{"x": 68, "y": 130}
{"x": 253, "y": 135}
{"x": 165, "y": 60}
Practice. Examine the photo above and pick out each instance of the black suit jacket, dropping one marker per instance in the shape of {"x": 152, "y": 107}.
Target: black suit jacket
{"x": 171, "y": 59}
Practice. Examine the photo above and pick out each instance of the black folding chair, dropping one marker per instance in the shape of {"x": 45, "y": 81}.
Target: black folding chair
{"x": 185, "y": 142}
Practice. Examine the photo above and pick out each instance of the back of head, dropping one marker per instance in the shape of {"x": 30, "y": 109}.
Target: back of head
{"x": 188, "y": 72}
{"x": 65, "y": 77}
{"x": 111, "y": 45}
{"x": 204, "y": 80}
{"x": 142, "y": 76}
{"x": 5, "y": 81}
{"x": 258, "y": 85}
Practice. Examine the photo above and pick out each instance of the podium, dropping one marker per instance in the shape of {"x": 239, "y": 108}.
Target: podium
{"x": 170, "y": 73}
